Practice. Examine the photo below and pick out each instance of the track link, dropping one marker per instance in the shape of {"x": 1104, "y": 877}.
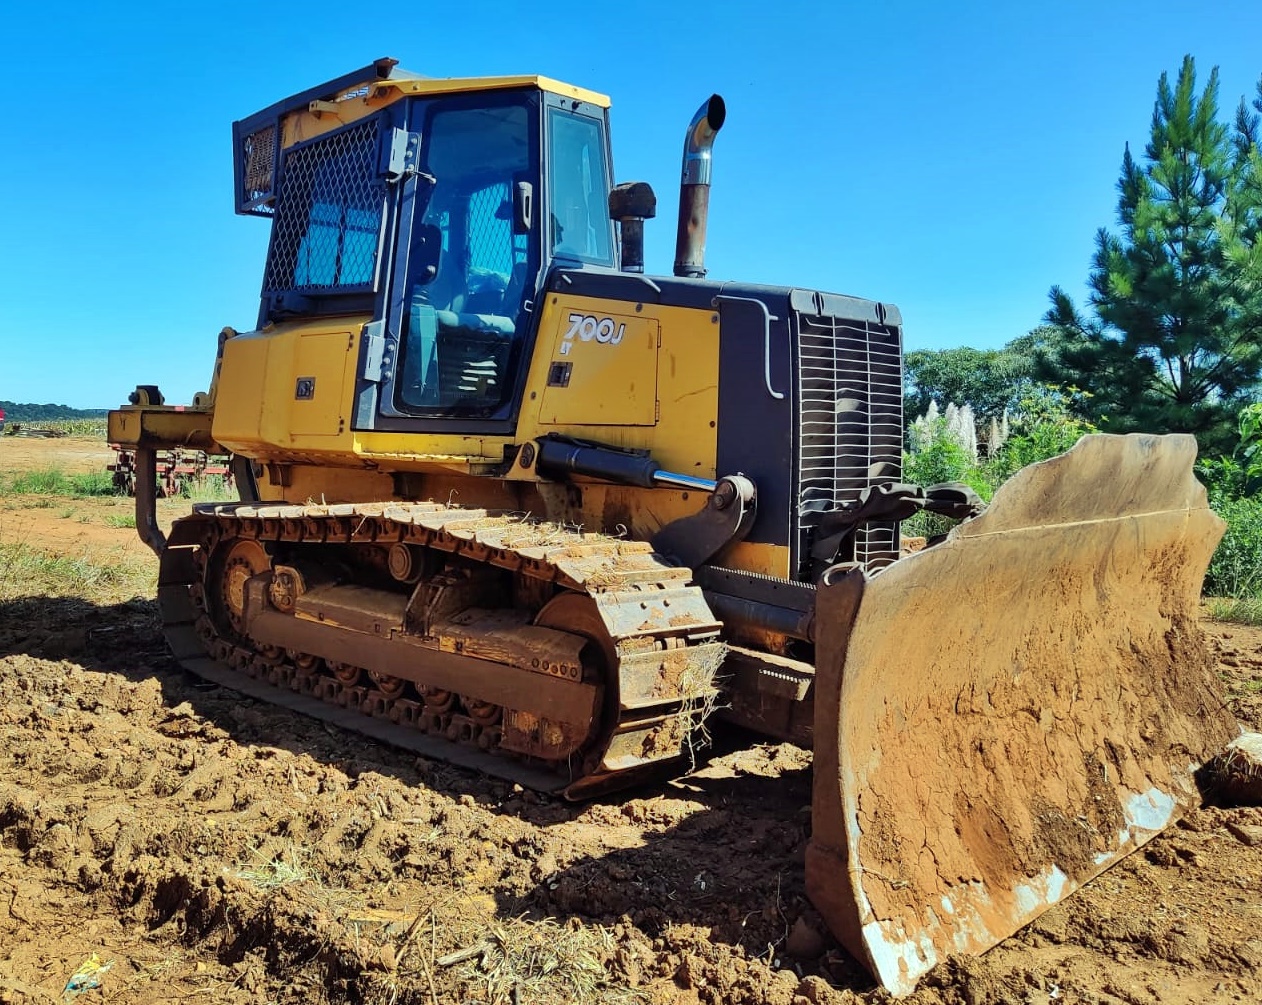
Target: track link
{"x": 656, "y": 639}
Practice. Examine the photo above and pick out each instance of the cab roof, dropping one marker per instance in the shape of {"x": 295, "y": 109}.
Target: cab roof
{"x": 446, "y": 85}
{"x": 383, "y": 79}
{"x": 258, "y": 139}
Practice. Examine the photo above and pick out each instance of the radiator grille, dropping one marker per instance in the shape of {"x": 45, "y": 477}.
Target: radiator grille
{"x": 328, "y": 217}
{"x": 850, "y": 409}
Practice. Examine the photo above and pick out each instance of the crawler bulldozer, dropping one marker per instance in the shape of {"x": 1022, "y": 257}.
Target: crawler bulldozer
{"x": 508, "y": 500}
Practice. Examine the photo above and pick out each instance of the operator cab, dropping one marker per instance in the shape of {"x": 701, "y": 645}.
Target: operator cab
{"x": 438, "y": 210}
{"x": 473, "y": 261}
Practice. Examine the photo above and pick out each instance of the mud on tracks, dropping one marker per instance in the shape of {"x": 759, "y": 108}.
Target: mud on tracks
{"x": 216, "y": 848}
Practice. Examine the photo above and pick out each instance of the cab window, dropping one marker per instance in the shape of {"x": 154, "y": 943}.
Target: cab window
{"x": 578, "y": 181}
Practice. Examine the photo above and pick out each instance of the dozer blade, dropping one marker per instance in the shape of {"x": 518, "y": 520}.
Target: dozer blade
{"x": 1014, "y": 710}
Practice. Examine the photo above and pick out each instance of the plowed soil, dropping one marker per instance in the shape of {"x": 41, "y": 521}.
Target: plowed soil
{"x": 210, "y": 848}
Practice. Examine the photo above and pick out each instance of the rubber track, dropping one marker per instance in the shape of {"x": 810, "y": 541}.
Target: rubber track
{"x": 648, "y": 606}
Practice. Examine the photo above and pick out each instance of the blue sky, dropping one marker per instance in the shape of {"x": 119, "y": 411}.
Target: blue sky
{"x": 952, "y": 158}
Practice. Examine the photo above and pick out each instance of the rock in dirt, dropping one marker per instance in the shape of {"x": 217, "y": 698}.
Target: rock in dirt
{"x": 1234, "y": 777}
{"x": 804, "y": 941}
{"x": 1249, "y": 834}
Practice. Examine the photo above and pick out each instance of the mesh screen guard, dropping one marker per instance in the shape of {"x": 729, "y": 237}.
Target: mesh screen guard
{"x": 329, "y": 211}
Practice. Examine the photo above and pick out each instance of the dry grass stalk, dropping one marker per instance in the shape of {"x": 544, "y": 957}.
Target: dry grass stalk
{"x": 496, "y": 961}
{"x": 291, "y": 866}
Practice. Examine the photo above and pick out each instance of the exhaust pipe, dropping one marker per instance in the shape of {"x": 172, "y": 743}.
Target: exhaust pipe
{"x": 694, "y": 190}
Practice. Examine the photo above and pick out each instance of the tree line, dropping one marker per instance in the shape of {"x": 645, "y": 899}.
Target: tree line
{"x": 1170, "y": 336}
{"x": 15, "y": 411}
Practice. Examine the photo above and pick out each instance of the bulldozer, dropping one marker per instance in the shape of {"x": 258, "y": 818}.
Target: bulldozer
{"x": 508, "y": 500}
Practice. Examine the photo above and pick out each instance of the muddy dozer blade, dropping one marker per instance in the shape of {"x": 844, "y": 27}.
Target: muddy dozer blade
{"x": 1013, "y": 710}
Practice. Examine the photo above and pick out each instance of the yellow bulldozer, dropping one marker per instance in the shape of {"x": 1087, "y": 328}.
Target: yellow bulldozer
{"x": 510, "y": 501}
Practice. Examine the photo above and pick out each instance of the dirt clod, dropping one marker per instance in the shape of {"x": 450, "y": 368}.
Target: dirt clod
{"x": 1234, "y": 777}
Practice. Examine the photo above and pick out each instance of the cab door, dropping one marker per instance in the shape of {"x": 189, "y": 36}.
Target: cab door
{"x": 450, "y": 352}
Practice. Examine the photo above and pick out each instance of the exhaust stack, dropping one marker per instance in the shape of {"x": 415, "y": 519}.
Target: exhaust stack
{"x": 694, "y": 190}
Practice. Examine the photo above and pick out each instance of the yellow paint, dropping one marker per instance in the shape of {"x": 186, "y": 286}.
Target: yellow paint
{"x": 259, "y": 414}
{"x": 161, "y": 427}
{"x": 322, "y": 364}
{"x": 312, "y": 122}
{"x": 616, "y": 354}
{"x": 632, "y": 393}
{"x": 327, "y": 484}
{"x": 765, "y": 559}
{"x": 681, "y": 435}
{"x": 261, "y": 411}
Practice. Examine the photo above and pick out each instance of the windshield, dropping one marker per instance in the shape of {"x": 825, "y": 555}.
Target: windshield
{"x": 470, "y": 262}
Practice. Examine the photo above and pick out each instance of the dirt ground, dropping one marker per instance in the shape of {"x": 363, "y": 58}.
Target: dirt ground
{"x": 70, "y": 454}
{"x": 210, "y": 848}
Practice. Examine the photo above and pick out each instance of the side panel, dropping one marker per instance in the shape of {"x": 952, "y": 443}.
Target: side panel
{"x": 607, "y": 394}
{"x": 755, "y": 426}
{"x": 603, "y": 372}
{"x": 285, "y": 392}
{"x": 260, "y": 414}
{"x": 241, "y": 392}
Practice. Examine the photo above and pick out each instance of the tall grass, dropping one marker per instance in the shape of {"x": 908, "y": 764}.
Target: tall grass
{"x": 55, "y": 482}
{"x": 101, "y": 577}
{"x": 1240, "y": 611}
{"x": 212, "y": 488}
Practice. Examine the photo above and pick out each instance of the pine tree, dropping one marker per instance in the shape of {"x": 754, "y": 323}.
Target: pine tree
{"x": 1175, "y": 340}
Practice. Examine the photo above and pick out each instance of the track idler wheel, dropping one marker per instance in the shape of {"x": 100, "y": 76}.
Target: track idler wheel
{"x": 558, "y": 742}
{"x": 243, "y": 560}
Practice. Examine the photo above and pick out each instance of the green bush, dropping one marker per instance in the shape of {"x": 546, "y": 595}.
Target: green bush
{"x": 941, "y": 459}
{"x": 1223, "y": 478}
{"x": 937, "y": 455}
{"x": 93, "y": 483}
{"x": 1042, "y": 428}
{"x": 1236, "y": 568}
